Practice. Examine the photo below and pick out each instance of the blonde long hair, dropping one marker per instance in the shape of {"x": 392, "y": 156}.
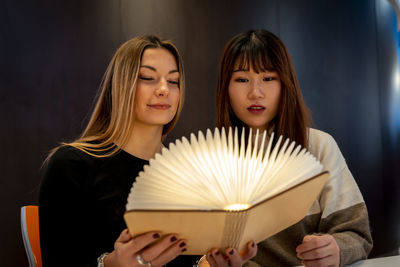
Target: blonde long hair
{"x": 114, "y": 113}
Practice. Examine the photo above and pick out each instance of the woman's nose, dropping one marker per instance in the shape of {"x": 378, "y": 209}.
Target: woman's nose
{"x": 162, "y": 88}
{"x": 255, "y": 90}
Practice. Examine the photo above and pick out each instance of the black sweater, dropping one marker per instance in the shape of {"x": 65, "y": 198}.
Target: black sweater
{"x": 81, "y": 205}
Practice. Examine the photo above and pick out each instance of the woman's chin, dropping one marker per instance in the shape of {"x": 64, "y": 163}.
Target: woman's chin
{"x": 255, "y": 127}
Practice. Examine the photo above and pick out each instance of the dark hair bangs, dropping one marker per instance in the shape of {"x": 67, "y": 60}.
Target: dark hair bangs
{"x": 254, "y": 54}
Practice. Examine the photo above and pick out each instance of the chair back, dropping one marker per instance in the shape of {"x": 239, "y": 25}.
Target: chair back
{"x": 30, "y": 234}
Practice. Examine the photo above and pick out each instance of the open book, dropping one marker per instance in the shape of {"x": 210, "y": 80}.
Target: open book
{"x": 217, "y": 191}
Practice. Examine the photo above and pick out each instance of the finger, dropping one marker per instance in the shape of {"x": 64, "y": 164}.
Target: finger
{"x": 174, "y": 249}
{"x": 139, "y": 242}
{"x": 317, "y": 253}
{"x": 311, "y": 242}
{"x": 249, "y": 252}
{"x": 234, "y": 257}
{"x": 157, "y": 248}
{"x": 124, "y": 236}
{"x": 210, "y": 259}
{"x": 219, "y": 258}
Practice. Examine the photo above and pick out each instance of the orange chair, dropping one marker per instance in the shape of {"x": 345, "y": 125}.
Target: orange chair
{"x": 30, "y": 234}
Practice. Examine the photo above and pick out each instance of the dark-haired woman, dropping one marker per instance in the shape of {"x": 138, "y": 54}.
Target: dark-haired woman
{"x": 258, "y": 88}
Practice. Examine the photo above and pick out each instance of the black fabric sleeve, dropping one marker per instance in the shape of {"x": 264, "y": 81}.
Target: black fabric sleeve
{"x": 64, "y": 211}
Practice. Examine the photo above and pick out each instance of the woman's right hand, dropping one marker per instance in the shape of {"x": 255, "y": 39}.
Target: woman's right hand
{"x": 151, "y": 248}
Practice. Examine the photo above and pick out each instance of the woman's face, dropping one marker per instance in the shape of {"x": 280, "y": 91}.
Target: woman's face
{"x": 157, "y": 92}
{"x": 254, "y": 97}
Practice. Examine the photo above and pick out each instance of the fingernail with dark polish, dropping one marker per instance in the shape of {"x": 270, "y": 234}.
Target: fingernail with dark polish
{"x": 217, "y": 253}
{"x": 182, "y": 244}
{"x": 173, "y": 239}
{"x": 156, "y": 235}
{"x": 253, "y": 244}
{"x": 231, "y": 252}
{"x": 183, "y": 250}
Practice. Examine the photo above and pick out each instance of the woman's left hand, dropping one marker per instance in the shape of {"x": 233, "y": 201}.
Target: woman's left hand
{"x": 230, "y": 257}
{"x": 319, "y": 250}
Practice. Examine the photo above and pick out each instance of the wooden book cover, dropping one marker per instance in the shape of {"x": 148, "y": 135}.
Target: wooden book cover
{"x": 215, "y": 191}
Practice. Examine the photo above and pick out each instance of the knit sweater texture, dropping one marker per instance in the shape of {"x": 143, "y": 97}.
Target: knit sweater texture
{"x": 339, "y": 211}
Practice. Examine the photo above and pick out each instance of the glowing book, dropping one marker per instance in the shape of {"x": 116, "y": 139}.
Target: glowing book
{"x": 219, "y": 192}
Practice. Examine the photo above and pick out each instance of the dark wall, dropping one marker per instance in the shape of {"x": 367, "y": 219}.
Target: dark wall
{"x": 388, "y": 45}
{"x": 53, "y": 55}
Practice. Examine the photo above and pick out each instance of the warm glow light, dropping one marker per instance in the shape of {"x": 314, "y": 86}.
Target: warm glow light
{"x": 237, "y": 207}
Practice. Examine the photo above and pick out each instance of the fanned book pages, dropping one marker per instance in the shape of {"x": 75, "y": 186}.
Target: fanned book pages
{"x": 219, "y": 191}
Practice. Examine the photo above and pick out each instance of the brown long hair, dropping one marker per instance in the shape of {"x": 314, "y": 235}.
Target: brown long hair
{"x": 113, "y": 115}
{"x": 262, "y": 50}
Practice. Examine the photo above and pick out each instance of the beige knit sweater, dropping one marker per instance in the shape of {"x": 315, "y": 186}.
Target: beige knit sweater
{"x": 340, "y": 211}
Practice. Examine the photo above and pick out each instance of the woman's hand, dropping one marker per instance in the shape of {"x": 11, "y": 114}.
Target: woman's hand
{"x": 150, "y": 247}
{"x": 319, "y": 250}
{"x": 230, "y": 257}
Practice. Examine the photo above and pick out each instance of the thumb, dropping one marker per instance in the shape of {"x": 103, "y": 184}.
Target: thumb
{"x": 307, "y": 238}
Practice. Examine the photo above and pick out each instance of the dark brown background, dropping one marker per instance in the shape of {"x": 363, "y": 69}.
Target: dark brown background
{"x": 53, "y": 55}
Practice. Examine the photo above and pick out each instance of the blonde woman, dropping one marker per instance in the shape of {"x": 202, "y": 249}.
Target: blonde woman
{"x": 86, "y": 183}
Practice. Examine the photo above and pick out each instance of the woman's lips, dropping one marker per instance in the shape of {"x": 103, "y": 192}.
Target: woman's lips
{"x": 256, "y": 109}
{"x": 160, "y": 106}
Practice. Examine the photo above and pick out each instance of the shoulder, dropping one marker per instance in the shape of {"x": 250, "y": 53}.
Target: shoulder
{"x": 69, "y": 153}
{"x": 324, "y": 147}
{"x": 321, "y": 142}
{"x": 68, "y": 161}
{"x": 320, "y": 137}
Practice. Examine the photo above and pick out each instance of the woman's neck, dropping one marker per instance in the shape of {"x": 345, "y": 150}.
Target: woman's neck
{"x": 144, "y": 142}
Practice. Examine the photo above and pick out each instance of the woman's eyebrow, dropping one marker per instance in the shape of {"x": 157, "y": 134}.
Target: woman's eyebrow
{"x": 154, "y": 69}
{"x": 237, "y": 70}
{"x": 148, "y": 67}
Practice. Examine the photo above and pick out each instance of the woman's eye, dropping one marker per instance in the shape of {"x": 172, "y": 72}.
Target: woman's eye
{"x": 241, "y": 80}
{"x": 173, "y": 82}
{"x": 145, "y": 78}
{"x": 267, "y": 79}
